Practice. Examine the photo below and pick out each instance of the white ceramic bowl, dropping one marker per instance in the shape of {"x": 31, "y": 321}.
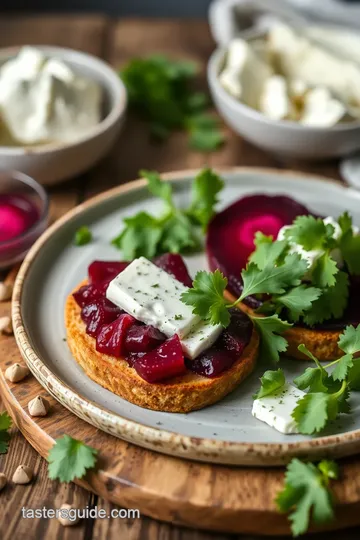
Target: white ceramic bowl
{"x": 280, "y": 137}
{"x": 54, "y": 162}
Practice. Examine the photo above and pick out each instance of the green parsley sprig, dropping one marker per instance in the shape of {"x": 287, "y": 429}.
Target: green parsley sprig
{"x": 307, "y": 493}
{"x": 69, "y": 459}
{"x": 176, "y": 230}
{"x": 5, "y": 425}
{"x": 161, "y": 91}
{"x": 82, "y": 236}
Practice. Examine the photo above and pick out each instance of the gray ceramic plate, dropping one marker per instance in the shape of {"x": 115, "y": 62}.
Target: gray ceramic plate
{"x": 223, "y": 433}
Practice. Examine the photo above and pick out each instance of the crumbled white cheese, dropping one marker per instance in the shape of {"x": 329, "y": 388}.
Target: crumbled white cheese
{"x": 274, "y": 100}
{"x": 321, "y": 109}
{"x": 245, "y": 73}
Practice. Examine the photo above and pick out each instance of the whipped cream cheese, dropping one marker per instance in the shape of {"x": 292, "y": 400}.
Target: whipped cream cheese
{"x": 42, "y": 100}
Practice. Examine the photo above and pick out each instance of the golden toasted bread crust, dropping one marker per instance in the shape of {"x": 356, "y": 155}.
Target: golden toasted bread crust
{"x": 322, "y": 343}
{"x": 181, "y": 394}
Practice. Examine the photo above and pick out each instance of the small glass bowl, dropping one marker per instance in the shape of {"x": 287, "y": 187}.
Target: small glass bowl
{"x": 26, "y": 189}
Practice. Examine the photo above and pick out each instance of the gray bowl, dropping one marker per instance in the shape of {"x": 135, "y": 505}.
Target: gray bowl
{"x": 54, "y": 162}
{"x": 286, "y": 138}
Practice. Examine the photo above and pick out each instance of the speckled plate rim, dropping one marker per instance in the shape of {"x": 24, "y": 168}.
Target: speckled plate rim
{"x": 201, "y": 449}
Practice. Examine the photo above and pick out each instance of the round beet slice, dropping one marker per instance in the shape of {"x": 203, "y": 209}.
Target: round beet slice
{"x": 230, "y": 237}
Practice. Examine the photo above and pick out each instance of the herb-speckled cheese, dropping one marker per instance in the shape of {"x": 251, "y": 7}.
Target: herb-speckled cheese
{"x": 275, "y": 410}
{"x": 153, "y": 297}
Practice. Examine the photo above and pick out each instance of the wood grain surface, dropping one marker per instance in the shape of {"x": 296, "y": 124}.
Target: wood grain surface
{"x": 117, "y": 41}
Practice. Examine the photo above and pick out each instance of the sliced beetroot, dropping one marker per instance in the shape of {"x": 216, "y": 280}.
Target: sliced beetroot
{"x": 111, "y": 337}
{"x": 142, "y": 338}
{"x": 97, "y": 313}
{"x": 212, "y": 362}
{"x": 105, "y": 270}
{"x": 164, "y": 362}
{"x": 237, "y": 335}
{"x": 230, "y": 237}
{"x": 174, "y": 265}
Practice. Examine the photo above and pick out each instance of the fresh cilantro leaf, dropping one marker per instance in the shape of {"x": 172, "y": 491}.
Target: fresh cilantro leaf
{"x": 4, "y": 441}
{"x": 82, "y": 236}
{"x": 178, "y": 235}
{"x": 306, "y": 493}
{"x": 205, "y": 140}
{"x": 315, "y": 410}
{"x": 271, "y": 344}
{"x": 5, "y": 421}
{"x": 324, "y": 272}
{"x": 160, "y": 90}
{"x": 350, "y": 247}
{"x": 158, "y": 187}
{"x": 330, "y": 469}
{"x": 207, "y": 297}
{"x": 345, "y": 222}
{"x": 331, "y": 303}
{"x": 273, "y": 279}
{"x": 70, "y": 459}
{"x": 177, "y": 230}
{"x": 353, "y": 377}
{"x": 298, "y": 300}
{"x": 205, "y": 190}
{"x": 5, "y": 424}
{"x": 349, "y": 341}
{"x": 271, "y": 382}
{"x": 342, "y": 367}
{"x": 140, "y": 237}
{"x": 307, "y": 231}
{"x": 312, "y": 378}
{"x": 266, "y": 252}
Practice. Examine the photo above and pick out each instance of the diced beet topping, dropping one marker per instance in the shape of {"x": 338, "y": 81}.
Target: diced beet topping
{"x": 99, "y": 312}
{"x": 111, "y": 338}
{"x": 165, "y": 362}
{"x": 174, "y": 265}
{"x": 227, "y": 349}
{"x": 145, "y": 348}
{"x": 90, "y": 292}
{"x": 100, "y": 271}
{"x": 143, "y": 338}
{"x": 212, "y": 362}
{"x": 230, "y": 237}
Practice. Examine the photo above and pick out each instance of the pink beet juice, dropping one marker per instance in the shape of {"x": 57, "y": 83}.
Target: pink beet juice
{"x": 23, "y": 215}
{"x": 17, "y": 214}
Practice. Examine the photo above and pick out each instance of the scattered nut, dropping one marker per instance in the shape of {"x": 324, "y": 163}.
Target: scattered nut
{"x": 5, "y": 291}
{"x": 64, "y": 517}
{"x": 38, "y": 406}
{"x": 3, "y": 481}
{"x": 6, "y": 326}
{"x": 22, "y": 475}
{"x": 16, "y": 372}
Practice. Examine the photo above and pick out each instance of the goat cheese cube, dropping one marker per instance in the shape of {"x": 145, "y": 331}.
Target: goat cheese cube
{"x": 276, "y": 410}
{"x": 152, "y": 296}
{"x": 200, "y": 338}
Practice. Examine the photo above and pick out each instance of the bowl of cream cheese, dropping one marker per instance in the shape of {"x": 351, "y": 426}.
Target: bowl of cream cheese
{"x": 60, "y": 111}
{"x": 294, "y": 92}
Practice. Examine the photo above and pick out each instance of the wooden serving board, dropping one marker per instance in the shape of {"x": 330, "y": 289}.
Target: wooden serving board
{"x": 178, "y": 491}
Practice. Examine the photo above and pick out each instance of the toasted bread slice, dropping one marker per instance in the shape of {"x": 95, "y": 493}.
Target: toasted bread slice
{"x": 180, "y": 394}
{"x": 322, "y": 343}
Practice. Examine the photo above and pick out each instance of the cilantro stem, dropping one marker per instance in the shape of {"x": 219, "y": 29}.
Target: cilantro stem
{"x": 331, "y": 364}
{"x": 341, "y": 389}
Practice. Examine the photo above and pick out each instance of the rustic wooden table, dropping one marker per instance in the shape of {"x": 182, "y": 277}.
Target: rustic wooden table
{"x": 116, "y": 41}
